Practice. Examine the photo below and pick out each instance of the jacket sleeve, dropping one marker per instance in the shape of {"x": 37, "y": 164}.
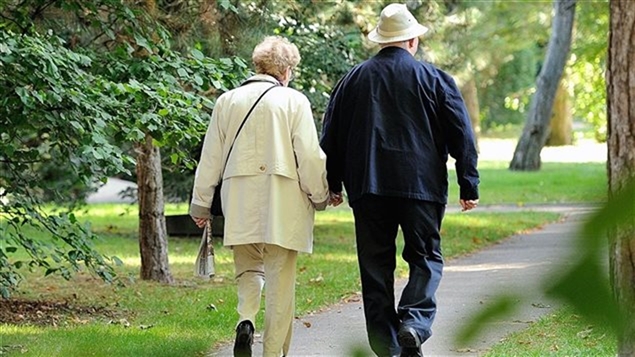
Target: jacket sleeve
{"x": 460, "y": 138}
{"x": 209, "y": 169}
{"x": 331, "y": 141}
{"x": 310, "y": 158}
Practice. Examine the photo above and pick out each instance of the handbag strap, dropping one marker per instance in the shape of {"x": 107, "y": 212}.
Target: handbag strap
{"x": 243, "y": 124}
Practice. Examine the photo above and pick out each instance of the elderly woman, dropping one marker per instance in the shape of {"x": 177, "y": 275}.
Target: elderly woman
{"x": 273, "y": 180}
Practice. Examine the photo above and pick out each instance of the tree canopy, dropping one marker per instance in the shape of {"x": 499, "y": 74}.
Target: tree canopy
{"x": 84, "y": 83}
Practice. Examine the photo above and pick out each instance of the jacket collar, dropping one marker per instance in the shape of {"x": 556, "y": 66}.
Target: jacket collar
{"x": 262, "y": 78}
{"x": 394, "y": 50}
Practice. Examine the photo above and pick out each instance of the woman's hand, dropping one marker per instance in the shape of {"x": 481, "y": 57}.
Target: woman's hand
{"x": 200, "y": 222}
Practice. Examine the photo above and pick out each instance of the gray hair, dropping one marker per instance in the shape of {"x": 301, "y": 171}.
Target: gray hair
{"x": 273, "y": 55}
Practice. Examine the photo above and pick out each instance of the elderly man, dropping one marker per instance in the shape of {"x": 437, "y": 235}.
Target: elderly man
{"x": 389, "y": 127}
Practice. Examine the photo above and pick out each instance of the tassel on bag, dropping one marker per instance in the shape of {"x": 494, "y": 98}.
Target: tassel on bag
{"x": 205, "y": 265}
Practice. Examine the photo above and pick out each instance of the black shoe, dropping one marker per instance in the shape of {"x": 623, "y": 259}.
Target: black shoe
{"x": 244, "y": 339}
{"x": 410, "y": 342}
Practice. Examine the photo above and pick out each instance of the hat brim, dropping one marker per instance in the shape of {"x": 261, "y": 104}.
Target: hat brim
{"x": 418, "y": 30}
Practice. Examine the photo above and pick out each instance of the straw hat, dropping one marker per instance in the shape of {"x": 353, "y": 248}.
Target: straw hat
{"x": 396, "y": 24}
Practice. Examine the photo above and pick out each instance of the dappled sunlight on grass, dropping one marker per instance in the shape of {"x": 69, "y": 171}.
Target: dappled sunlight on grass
{"x": 553, "y": 183}
{"x": 562, "y": 333}
{"x": 112, "y": 340}
{"x": 340, "y": 214}
{"x": 193, "y": 314}
{"x": 106, "y": 209}
{"x": 344, "y": 257}
{"x": 25, "y": 329}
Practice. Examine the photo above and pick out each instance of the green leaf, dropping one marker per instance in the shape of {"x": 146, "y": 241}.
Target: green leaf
{"x": 73, "y": 255}
{"x": 182, "y": 72}
{"x": 117, "y": 261}
{"x": 195, "y": 53}
{"x": 597, "y": 302}
{"x": 163, "y": 112}
{"x": 22, "y": 93}
{"x": 142, "y": 41}
{"x": 4, "y": 48}
{"x": 502, "y": 306}
{"x": 174, "y": 158}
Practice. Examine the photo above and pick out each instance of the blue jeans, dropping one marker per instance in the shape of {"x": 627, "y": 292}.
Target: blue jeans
{"x": 377, "y": 221}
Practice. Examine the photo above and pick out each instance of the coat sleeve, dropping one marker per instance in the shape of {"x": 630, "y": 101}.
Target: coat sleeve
{"x": 332, "y": 141}
{"x": 460, "y": 138}
{"x": 311, "y": 160}
{"x": 210, "y": 167}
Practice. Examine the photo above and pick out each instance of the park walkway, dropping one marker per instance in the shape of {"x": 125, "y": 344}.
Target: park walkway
{"x": 519, "y": 264}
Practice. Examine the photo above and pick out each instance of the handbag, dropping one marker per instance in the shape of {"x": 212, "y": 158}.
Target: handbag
{"x": 217, "y": 205}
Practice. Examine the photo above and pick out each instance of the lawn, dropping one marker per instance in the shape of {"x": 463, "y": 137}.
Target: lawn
{"x": 562, "y": 333}
{"x": 140, "y": 318}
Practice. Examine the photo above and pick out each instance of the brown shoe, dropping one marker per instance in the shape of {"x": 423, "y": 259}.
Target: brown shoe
{"x": 244, "y": 339}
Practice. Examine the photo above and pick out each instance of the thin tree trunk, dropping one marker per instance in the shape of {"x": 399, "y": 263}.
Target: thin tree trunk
{"x": 153, "y": 243}
{"x": 227, "y": 29}
{"x": 621, "y": 160}
{"x": 561, "y": 125}
{"x": 536, "y": 130}
{"x": 470, "y": 96}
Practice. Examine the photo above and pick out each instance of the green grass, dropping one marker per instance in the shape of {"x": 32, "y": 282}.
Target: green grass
{"x": 562, "y": 333}
{"x": 179, "y": 317}
{"x": 188, "y": 318}
{"x": 553, "y": 183}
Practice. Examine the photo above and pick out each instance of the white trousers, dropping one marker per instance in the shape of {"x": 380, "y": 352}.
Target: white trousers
{"x": 254, "y": 263}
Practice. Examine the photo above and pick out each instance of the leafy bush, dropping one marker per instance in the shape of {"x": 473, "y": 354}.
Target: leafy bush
{"x": 64, "y": 113}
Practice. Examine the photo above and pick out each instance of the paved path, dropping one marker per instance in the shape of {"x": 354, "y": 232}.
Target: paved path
{"x": 520, "y": 263}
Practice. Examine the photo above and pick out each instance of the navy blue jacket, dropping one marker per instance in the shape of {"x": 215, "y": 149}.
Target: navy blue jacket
{"x": 389, "y": 127}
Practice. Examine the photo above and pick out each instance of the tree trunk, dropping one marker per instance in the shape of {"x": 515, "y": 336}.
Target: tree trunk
{"x": 470, "y": 96}
{"x": 153, "y": 243}
{"x": 621, "y": 160}
{"x": 536, "y": 130}
{"x": 227, "y": 29}
{"x": 561, "y": 125}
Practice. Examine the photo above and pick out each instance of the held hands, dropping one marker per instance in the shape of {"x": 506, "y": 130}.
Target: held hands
{"x": 467, "y": 205}
{"x": 335, "y": 198}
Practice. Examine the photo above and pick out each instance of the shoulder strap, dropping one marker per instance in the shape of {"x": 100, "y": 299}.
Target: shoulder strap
{"x": 243, "y": 124}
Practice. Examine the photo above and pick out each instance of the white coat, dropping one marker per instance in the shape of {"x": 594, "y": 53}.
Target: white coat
{"x": 276, "y": 171}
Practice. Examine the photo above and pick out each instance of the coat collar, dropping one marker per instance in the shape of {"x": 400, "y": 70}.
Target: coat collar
{"x": 262, "y": 78}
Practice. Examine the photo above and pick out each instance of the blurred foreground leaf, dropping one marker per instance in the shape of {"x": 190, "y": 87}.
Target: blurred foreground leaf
{"x": 501, "y": 306}
{"x": 585, "y": 285}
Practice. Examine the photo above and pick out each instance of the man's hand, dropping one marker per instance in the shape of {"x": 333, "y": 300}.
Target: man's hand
{"x": 200, "y": 222}
{"x": 335, "y": 198}
{"x": 467, "y": 205}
